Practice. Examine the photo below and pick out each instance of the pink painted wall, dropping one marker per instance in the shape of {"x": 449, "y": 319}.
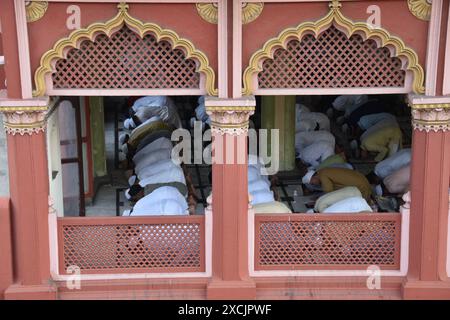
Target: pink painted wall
{"x": 6, "y": 268}
{"x": 2, "y": 68}
{"x": 10, "y": 46}
{"x": 442, "y": 48}
{"x": 181, "y": 18}
{"x": 395, "y": 17}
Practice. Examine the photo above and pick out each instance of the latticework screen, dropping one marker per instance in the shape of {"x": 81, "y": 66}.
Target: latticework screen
{"x": 329, "y": 242}
{"x": 125, "y": 61}
{"x": 331, "y": 61}
{"x": 158, "y": 245}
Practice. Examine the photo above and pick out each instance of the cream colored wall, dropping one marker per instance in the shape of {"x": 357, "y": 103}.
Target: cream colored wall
{"x": 54, "y": 163}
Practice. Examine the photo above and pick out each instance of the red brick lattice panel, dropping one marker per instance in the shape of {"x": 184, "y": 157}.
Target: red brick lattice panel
{"x": 327, "y": 242}
{"x": 331, "y": 61}
{"x": 125, "y": 61}
{"x": 160, "y": 244}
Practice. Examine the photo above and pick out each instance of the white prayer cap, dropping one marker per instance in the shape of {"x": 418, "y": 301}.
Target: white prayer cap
{"x": 301, "y": 108}
{"x": 307, "y": 177}
{"x": 132, "y": 180}
{"x": 122, "y": 138}
{"x": 129, "y": 124}
{"x": 127, "y": 194}
{"x": 339, "y": 103}
{"x": 125, "y": 148}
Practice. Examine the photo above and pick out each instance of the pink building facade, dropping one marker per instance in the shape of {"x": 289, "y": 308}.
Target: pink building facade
{"x": 226, "y": 50}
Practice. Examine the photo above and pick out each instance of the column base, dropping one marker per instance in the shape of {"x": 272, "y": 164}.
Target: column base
{"x": 33, "y": 292}
{"x": 426, "y": 290}
{"x": 231, "y": 290}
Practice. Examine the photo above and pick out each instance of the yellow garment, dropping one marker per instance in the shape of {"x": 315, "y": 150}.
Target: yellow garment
{"x": 145, "y": 129}
{"x": 333, "y": 179}
{"x": 385, "y": 141}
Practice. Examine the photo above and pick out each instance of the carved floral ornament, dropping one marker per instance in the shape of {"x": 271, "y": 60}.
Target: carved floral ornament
{"x": 35, "y": 10}
{"x": 431, "y": 117}
{"x": 24, "y": 122}
{"x": 210, "y": 12}
{"x": 230, "y": 120}
{"x": 420, "y": 8}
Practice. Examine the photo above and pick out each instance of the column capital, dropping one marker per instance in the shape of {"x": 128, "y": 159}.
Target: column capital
{"x": 25, "y": 116}
{"x": 430, "y": 114}
{"x": 230, "y": 116}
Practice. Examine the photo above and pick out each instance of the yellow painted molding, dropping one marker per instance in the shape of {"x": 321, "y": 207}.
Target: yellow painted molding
{"x": 108, "y": 28}
{"x": 231, "y": 108}
{"x": 428, "y": 106}
{"x": 36, "y": 10}
{"x": 334, "y": 17}
{"x": 24, "y": 109}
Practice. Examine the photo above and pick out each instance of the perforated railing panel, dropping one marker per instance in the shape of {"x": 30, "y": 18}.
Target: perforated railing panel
{"x": 125, "y": 61}
{"x": 338, "y": 243}
{"x": 156, "y": 246}
{"x": 331, "y": 61}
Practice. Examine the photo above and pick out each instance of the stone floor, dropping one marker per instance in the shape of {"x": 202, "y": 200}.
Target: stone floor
{"x": 4, "y": 183}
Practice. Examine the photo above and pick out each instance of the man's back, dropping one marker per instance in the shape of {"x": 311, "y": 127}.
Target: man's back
{"x": 336, "y": 178}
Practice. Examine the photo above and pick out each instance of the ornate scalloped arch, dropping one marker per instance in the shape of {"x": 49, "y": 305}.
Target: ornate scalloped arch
{"x": 48, "y": 60}
{"x": 336, "y": 18}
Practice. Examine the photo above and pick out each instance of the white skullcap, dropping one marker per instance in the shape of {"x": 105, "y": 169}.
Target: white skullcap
{"x": 125, "y": 148}
{"x": 129, "y": 124}
{"x": 122, "y": 138}
{"x": 132, "y": 180}
{"x": 307, "y": 177}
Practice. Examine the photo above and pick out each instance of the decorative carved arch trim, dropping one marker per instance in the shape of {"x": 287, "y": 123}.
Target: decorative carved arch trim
{"x": 123, "y": 18}
{"x": 337, "y": 19}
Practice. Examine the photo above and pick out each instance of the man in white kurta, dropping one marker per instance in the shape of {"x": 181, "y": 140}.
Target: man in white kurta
{"x": 317, "y": 152}
{"x": 390, "y": 165}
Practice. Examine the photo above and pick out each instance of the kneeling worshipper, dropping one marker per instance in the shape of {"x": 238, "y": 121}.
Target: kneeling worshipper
{"x": 384, "y": 139}
{"x": 370, "y": 107}
{"x": 259, "y": 187}
{"x": 306, "y": 138}
{"x": 315, "y": 153}
{"x": 147, "y": 101}
{"x": 308, "y": 121}
{"x": 337, "y": 202}
{"x": 171, "y": 176}
{"x": 200, "y": 114}
{"x": 395, "y": 183}
{"x": 335, "y": 161}
{"x": 162, "y": 201}
{"x": 331, "y": 179}
{"x": 370, "y": 120}
{"x": 144, "y": 134}
{"x": 393, "y": 163}
{"x": 349, "y": 103}
{"x": 149, "y": 107}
